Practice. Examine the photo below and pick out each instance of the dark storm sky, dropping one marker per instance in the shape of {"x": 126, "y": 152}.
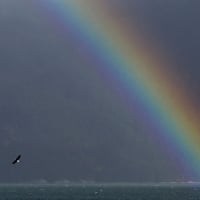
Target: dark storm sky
{"x": 61, "y": 116}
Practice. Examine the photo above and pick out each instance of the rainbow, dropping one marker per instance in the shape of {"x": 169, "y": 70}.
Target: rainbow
{"x": 139, "y": 73}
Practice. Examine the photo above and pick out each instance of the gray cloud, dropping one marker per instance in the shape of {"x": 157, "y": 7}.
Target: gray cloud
{"x": 60, "y": 114}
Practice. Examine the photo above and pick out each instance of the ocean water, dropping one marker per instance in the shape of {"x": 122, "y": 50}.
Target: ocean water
{"x": 99, "y": 192}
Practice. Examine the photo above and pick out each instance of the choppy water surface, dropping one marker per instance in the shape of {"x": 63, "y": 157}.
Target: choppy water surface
{"x": 99, "y": 192}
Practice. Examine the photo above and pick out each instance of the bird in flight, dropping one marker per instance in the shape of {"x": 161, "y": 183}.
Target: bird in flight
{"x": 17, "y": 160}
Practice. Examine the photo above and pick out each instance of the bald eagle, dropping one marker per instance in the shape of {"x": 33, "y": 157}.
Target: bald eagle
{"x": 17, "y": 160}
